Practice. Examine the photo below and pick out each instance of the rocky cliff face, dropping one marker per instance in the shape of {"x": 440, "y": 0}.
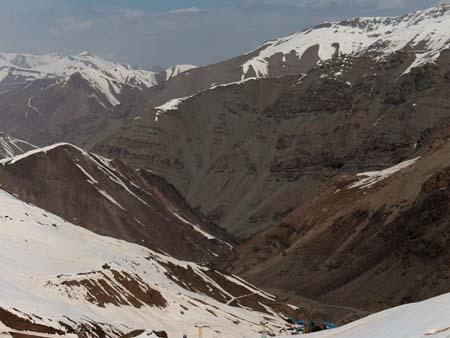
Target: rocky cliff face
{"x": 46, "y": 111}
{"x": 387, "y": 227}
{"x": 249, "y": 153}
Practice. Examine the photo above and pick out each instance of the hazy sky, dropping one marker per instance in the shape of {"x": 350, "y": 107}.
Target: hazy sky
{"x": 166, "y": 32}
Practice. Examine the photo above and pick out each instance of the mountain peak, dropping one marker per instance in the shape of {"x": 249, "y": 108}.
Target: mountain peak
{"x": 427, "y": 32}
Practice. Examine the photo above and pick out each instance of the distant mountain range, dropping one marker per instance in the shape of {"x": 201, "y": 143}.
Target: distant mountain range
{"x": 106, "y": 77}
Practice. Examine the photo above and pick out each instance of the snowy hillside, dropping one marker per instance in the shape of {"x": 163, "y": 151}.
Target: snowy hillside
{"x": 57, "y": 276}
{"x": 425, "y": 33}
{"x": 10, "y": 146}
{"x": 173, "y": 71}
{"x": 430, "y": 318}
{"x": 109, "y": 78}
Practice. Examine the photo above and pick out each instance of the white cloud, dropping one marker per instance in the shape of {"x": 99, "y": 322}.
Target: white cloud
{"x": 189, "y": 10}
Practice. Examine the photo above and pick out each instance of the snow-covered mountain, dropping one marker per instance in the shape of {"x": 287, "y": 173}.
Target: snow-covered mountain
{"x": 423, "y": 33}
{"x": 430, "y": 318}
{"x": 11, "y": 146}
{"x": 57, "y": 277}
{"x": 109, "y": 78}
{"x": 421, "y": 36}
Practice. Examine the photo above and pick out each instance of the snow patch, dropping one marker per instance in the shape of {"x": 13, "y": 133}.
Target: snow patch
{"x": 170, "y": 106}
{"x": 371, "y": 178}
{"x": 176, "y": 70}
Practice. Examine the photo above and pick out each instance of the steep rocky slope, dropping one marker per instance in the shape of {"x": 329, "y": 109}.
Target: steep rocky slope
{"x": 251, "y": 152}
{"x": 371, "y": 241}
{"x": 11, "y": 146}
{"x": 58, "y": 279}
{"x": 110, "y": 199}
{"x": 44, "y": 111}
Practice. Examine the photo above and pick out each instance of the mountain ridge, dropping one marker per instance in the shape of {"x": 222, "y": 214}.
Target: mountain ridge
{"x": 426, "y": 31}
{"x": 109, "y": 198}
{"x": 107, "y": 77}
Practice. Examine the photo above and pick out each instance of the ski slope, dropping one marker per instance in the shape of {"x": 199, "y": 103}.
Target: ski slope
{"x": 430, "y": 318}
{"x": 60, "y": 275}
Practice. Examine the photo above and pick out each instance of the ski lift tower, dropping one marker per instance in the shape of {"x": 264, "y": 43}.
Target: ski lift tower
{"x": 264, "y": 330}
{"x": 200, "y": 327}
